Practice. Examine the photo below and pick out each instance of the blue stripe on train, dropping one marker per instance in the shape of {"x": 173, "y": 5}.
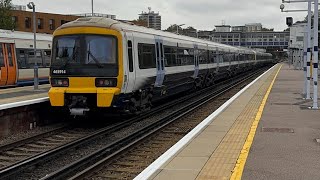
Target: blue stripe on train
{"x": 29, "y": 82}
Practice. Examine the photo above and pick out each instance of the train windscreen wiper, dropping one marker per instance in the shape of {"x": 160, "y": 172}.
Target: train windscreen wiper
{"x": 94, "y": 59}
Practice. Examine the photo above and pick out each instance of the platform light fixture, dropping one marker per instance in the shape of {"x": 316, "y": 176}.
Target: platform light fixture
{"x": 32, "y": 6}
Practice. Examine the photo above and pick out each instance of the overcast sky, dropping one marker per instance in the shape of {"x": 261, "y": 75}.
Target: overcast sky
{"x": 201, "y": 14}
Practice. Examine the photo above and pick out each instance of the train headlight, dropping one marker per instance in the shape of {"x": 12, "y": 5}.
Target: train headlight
{"x": 59, "y": 82}
{"x": 106, "y": 82}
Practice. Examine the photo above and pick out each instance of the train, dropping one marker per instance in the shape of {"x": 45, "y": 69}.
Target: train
{"x": 17, "y": 57}
{"x": 100, "y": 64}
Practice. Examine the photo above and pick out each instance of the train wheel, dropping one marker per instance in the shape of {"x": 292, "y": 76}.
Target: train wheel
{"x": 209, "y": 80}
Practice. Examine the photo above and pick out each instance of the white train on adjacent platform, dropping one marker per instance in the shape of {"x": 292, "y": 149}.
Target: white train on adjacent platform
{"x": 17, "y": 57}
{"x": 99, "y": 63}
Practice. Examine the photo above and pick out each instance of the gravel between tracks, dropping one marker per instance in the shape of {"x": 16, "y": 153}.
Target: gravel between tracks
{"x": 30, "y": 133}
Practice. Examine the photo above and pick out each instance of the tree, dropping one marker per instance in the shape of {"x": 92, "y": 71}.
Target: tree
{"x": 266, "y": 29}
{"x": 6, "y": 21}
{"x": 173, "y": 28}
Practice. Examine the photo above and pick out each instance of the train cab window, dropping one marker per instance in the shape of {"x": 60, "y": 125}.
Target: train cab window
{"x": 147, "y": 56}
{"x": 1, "y": 56}
{"x": 10, "y": 58}
{"x": 130, "y": 56}
{"x": 101, "y": 49}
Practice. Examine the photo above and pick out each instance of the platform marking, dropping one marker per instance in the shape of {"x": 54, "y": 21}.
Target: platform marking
{"x": 23, "y": 103}
{"x": 238, "y": 169}
{"x": 155, "y": 167}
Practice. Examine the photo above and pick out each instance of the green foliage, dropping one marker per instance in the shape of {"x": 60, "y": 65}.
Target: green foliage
{"x": 6, "y": 21}
{"x": 173, "y": 28}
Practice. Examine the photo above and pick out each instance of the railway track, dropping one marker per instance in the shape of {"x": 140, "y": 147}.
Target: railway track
{"x": 61, "y": 144}
{"x": 134, "y": 159}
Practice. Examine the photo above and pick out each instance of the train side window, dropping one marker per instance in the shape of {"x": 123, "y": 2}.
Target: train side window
{"x": 185, "y": 56}
{"x": 130, "y": 56}
{"x": 147, "y": 56}
{"x": 203, "y": 57}
{"x": 10, "y": 58}
{"x": 170, "y": 56}
{"x": 221, "y": 57}
{"x": 1, "y": 56}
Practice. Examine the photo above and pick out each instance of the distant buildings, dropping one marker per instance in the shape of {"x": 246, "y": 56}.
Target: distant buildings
{"x": 250, "y": 35}
{"x": 153, "y": 19}
{"x": 297, "y": 33}
{"x": 46, "y": 22}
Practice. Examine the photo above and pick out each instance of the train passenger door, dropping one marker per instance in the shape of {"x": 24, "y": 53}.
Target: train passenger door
{"x": 12, "y": 64}
{"x": 130, "y": 72}
{"x": 160, "y": 65}
{"x": 196, "y": 61}
{"x": 3, "y": 66}
{"x": 8, "y": 64}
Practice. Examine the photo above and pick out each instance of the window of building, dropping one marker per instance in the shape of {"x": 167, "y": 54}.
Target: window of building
{"x": 27, "y": 22}
{"x": 147, "y": 56}
{"x": 299, "y": 38}
{"x": 40, "y": 23}
{"x": 52, "y": 24}
{"x": 15, "y": 21}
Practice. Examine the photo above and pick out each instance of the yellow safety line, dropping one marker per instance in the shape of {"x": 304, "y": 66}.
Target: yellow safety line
{"x": 238, "y": 169}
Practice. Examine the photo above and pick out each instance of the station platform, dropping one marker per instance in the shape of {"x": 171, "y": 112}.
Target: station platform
{"x": 264, "y": 132}
{"x": 22, "y": 94}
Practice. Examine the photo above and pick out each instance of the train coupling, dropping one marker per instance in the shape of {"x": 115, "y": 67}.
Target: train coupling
{"x": 79, "y": 111}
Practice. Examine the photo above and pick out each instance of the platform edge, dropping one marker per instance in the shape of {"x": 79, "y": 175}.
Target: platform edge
{"x": 150, "y": 171}
{"x": 23, "y": 103}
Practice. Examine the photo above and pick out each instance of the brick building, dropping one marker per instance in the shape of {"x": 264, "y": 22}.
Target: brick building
{"x": 46, "y": 22}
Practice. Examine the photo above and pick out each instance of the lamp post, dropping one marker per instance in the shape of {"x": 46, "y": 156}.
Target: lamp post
{"x": 178, "y": 27}
{"x": 92, "y": 8}
{"x": 32, "y": 6}
{"x": 315, "y": 54}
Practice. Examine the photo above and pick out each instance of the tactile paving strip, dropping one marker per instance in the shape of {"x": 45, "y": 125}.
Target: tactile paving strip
{"x": 223, "y": 160}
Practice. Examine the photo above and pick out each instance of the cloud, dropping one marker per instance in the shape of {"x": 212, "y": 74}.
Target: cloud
{"x": 201, "y": 14}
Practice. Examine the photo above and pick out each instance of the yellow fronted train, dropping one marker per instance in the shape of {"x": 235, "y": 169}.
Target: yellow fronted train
{"x": 99, "y": 64}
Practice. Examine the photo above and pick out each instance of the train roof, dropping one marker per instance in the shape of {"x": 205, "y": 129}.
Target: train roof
{"x": 19, "y": 35}
{"x": 126, "y": 27}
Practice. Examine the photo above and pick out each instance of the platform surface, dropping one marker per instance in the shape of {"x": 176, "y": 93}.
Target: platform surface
{"x": 285, "y": 145}
{"x": 18, "y": 94}
{"x": 213, "y": 153}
